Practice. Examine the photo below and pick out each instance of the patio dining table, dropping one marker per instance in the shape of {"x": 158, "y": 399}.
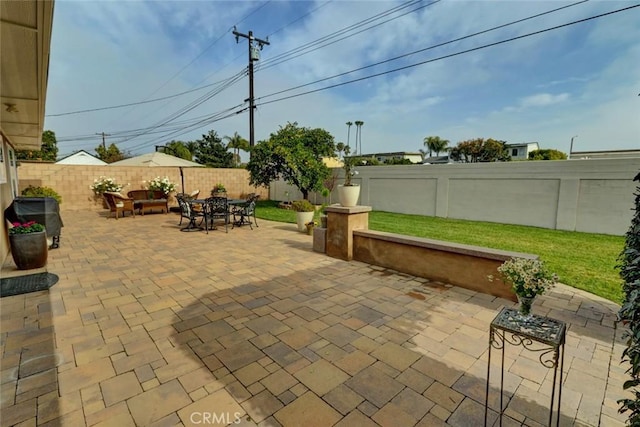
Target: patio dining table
{"x": 192, "y": 226}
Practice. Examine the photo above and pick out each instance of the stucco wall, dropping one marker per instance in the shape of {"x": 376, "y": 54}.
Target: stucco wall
{"x": 72, "y": 181}
{"x": 594, "y": 196}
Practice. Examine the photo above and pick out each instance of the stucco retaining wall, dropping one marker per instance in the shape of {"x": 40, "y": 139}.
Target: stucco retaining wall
{"x": 457, "y": 264}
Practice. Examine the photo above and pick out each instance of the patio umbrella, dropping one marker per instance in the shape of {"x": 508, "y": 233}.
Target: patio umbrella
{"x": 157, "y": 159}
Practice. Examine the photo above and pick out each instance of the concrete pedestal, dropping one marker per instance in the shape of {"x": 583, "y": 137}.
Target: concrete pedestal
{"x": 320, "y": 239}
{"x": 341, "y": 222}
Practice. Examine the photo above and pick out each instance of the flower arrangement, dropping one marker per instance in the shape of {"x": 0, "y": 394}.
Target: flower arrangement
{"x": 161, "y": 184}
{"x": 527, "y": 277}
{"x": 25, "y": 228}
{"x": 102, "y": 184}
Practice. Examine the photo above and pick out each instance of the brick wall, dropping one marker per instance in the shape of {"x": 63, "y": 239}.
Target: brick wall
{"x": 72, "y": 181}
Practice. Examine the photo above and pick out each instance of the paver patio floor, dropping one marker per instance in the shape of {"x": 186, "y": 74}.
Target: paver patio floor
{"x": 149, "y": 326}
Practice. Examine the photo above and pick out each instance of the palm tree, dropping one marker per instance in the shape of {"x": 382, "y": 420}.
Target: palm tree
{"x": 435, "y": 144}
{"x": 359, "y": 124}
{"x": 349, "y": 124}
{"x": 237, "y": 143}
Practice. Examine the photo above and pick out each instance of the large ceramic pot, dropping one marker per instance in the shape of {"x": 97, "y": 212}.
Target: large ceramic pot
{"x": 302, "y": 218}
{"x": 29, "y": 250}
{"x": 348, "y": 195}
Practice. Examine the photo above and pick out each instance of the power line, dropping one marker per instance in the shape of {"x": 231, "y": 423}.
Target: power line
{"x": 313, "y": 45}
{"x": 449, "y": 55}
{"x": 270, "y": 61}
{"x": 192, "y": 105}
{"x": 425, "y": 49}
{"x": 90, "y": 110}
{"x": 299, "y": 18}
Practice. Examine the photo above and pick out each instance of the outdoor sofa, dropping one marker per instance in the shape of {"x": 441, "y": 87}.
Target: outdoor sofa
{"x": 149, "y": 199}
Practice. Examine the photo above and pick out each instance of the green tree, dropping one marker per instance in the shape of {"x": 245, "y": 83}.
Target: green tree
{"x": 629, "y": 314}
{"x": 547, "y": 154}
{"x": 435, "y": 144}
{"x": 359, "y": 124}
{"x": 237, "y": 143}
{"x": 480, "y": 150}
{"x": 178, "y": 149}
{"x": 210, "y": 151}
{"x": 294, "y": 154}
{"x": 48, "y": 149}
{"x": 397, "y": 161}
{"x": 111, "y": 154}
{"x": 49, "y": 145}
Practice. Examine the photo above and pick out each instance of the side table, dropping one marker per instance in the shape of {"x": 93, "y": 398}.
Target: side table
{"x": 549, "y": 334}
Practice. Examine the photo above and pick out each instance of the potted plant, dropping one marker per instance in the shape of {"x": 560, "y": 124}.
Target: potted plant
{"x": 218, "y": 190}
{"x": 528, "y": 278}
{"x": 103, "y": 184}
{"x": 161, "y": 184}
{"x": 310, "y": 226}
{"x": 348, "y": 192}
{"x": 304, "y": 213}
{"x": 28, "y": 242}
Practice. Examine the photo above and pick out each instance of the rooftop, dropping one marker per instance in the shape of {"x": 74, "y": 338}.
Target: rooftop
{"x": 151, "y": 326}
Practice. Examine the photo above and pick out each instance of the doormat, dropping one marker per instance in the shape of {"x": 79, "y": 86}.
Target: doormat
{"x": 25, "y": 284}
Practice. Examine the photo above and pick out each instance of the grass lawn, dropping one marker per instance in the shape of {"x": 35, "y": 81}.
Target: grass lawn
{"x": 583, "y": 260}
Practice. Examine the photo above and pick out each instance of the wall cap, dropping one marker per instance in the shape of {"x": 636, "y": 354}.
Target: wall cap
{"x": 348, "y": 210}
{"x": 459, "y": 248}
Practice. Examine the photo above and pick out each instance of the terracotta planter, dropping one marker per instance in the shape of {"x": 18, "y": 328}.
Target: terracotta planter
{"x": 349, "y": 195}
{"x": 29, "y": 250}
{"x": 310, "y": 228}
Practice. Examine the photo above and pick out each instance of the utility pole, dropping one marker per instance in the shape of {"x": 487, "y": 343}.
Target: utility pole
{"x": 571, "y": 146}
{"x": 104, "y": 145}
{"x": 254, "y": 55}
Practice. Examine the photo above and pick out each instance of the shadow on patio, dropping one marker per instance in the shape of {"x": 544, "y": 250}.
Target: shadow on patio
{"x": 151, "y": 326}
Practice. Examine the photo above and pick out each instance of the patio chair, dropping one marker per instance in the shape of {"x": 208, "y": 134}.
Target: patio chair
{"x": 242, "y": 214}
{"x": 118, "y": 203}
{"x": 187, "y": 211}
{"x": 217, "y": 208}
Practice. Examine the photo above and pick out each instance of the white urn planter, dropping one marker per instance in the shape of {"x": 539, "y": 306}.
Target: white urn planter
{"x": 302, "y": 218}
{"x": 348, "y": 195}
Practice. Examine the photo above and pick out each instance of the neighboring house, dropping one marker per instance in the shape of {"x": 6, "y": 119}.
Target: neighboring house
{"x": 607, "y": 154}
{"x": 80, "y": 158}
{"x": 382, "y": 157}
{"x": 521, "y": 151}
{"x": 438, "y": 160}
{"x": 332, "y": 162}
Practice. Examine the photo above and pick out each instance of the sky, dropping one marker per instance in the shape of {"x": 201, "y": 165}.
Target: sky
{"x": 407, "y": 69}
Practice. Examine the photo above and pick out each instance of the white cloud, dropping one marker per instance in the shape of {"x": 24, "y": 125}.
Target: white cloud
{"x": 543, "y": 99}
{"x": 544, "y": 88}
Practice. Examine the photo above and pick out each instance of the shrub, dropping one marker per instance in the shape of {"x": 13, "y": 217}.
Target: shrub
{"x": 629, "y": 314}
{"x": 302, "y": 206}
{"x": 32, "y": 191}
